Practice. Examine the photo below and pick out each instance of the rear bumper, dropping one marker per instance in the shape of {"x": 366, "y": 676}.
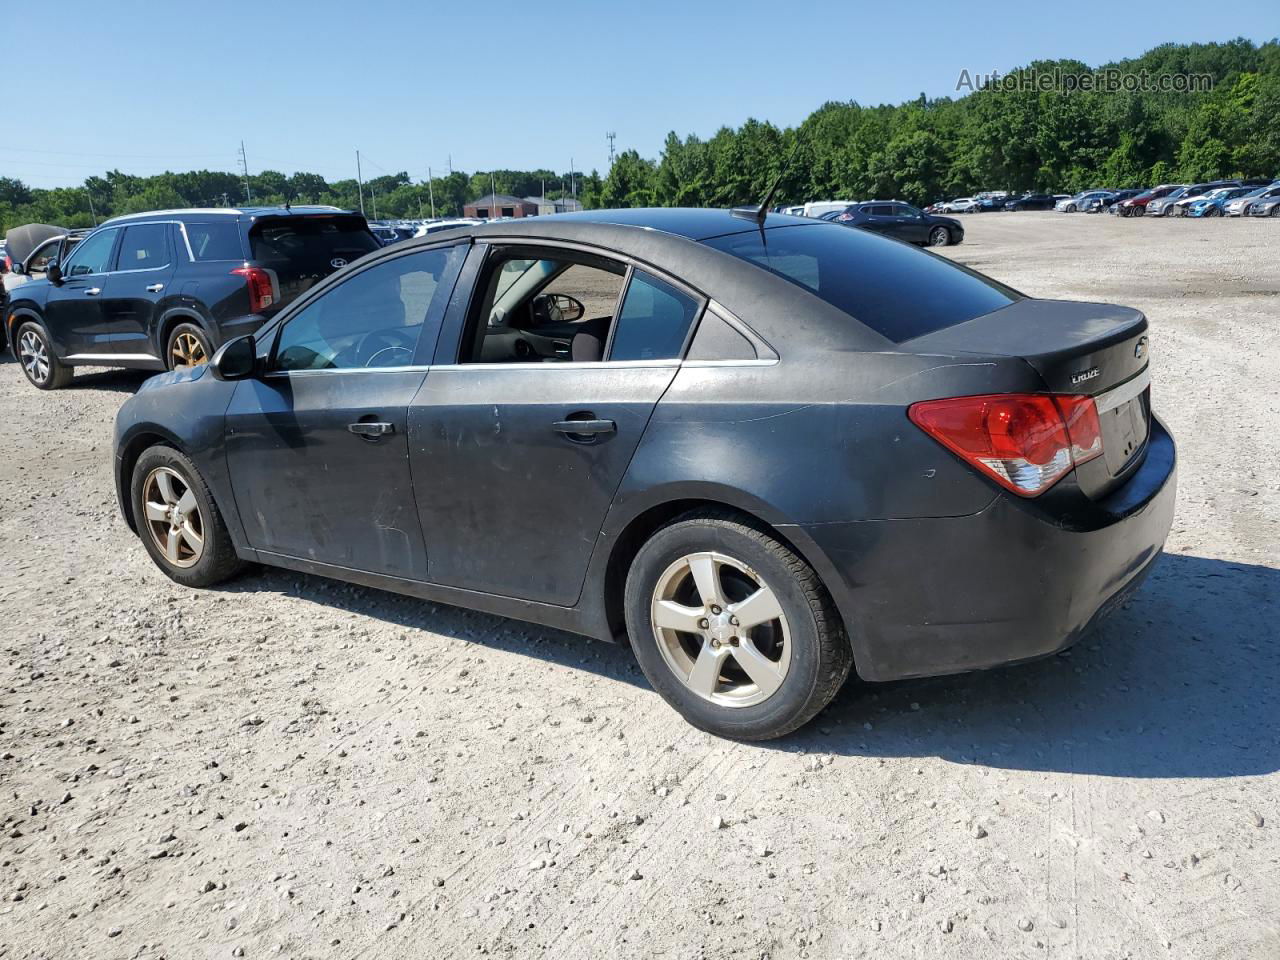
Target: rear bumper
{"x": 1009, "y": 583}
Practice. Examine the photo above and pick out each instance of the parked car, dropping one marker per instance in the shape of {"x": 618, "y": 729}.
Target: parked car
{"x": 384, "y": 235}
{"x": 1265, "y": 207}
{"x": 1236, "y": 207}
{"x": 944, "y": 474}
{"x": 1213, "y": 202}
{"x": 899, "y": 220}
{"x": 1030, "y": 201}
{"x": 159, "y": 290}
{"x": 962, "y": 205}
{"x": 1175, "y": 205}
{"x": 438, "y": 226}
{"x": 992, "y": 202}
{"x": 817, "y": 208}
{"x": 1107, "y": 202}
{"x": 1077, "y": 202}
{"x": 1137, "y": 206}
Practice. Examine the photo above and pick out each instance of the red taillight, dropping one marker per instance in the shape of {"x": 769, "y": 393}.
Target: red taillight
{"x": 1025, "y": 442}
{"x": 261, "y": 289}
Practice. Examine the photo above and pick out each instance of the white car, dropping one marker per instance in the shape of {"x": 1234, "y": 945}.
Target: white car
{"x": 963, "y": 205}
{"x": 435, "y": 226}
{"x": 817, "y": 208}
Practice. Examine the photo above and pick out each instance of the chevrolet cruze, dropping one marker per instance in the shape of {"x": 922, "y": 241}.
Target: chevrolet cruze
{"x": 762, "y": 450}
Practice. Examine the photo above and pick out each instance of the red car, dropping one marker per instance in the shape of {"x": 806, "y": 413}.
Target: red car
{"x": 1137, "y": 206}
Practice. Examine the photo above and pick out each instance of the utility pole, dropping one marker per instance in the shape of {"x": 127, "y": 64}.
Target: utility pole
{"x": 360, "y": 183}
{"x": 573, "y": 183}
{"x": 92, "y": 213}
{"x": 610, "y": 135}
{"x": 451, "y": 164}
{"x": 244, "y": 162}
{"x": 493, "y": 193}
{"x": 431, "y": 191}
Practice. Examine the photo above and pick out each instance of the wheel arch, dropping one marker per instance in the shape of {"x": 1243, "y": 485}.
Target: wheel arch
{"x": 18, "y": 316}
{"x": 140, "y": 439}
{"x": 645, "y": 522}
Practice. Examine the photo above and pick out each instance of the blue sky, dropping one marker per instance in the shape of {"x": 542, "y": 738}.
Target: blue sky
{"x": 152, "y": 86}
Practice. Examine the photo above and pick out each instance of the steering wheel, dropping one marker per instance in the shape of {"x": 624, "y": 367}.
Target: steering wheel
{"x": 385, "y": 348}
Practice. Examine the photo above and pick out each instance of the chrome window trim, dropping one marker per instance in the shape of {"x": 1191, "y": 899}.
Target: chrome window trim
{"x": 1119, "y": 396}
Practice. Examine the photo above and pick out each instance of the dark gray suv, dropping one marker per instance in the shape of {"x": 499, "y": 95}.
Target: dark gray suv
{"x": 159, "y": 290}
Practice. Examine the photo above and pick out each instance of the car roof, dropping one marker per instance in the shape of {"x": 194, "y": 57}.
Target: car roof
{"x": 237, "y": 212}
{"x": 690, "y": 223}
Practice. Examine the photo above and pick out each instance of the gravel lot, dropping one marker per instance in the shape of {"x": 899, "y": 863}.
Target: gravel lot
{"x": 293, "y": 767}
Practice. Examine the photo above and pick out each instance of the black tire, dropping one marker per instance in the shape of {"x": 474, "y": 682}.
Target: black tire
{"x": 939, "y": 237}
{"x": 1070, "y": 208}
{"x": 1275, "y": 211}
{"x": 820, "y": 655}
{"x": 1139, "y": 211}
{"x": 40, "y": 365}
{"x": 218, "y": 561}
{"x": 183, "y": 333}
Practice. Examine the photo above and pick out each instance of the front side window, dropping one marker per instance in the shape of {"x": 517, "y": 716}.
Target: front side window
{"x": 40, "y": 258}
{"x": 93, "y": 255}
{"x": 375, "y": 318}
{"x": 654, "y": 320}
{"x": 145, "y": 246}
{"x": 894, "y": 289}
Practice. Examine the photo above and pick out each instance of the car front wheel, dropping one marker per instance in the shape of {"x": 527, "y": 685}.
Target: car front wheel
{"x": 939, "y": 237}
{"x": 42, "y": 368}
{"x": 733, "y": 629}
{"x": 178, "y": 522}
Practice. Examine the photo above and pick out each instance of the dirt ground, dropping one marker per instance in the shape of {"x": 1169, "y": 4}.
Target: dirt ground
{"x": 294, "y": 767}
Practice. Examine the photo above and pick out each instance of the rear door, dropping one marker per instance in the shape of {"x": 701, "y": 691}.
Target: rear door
{"x": 133, "y": 293}
{"x": 515, "y": 463}
{"x": 73, "y": 312}
{"x": 909, "y": 224}
{"x": 300, "y": 250}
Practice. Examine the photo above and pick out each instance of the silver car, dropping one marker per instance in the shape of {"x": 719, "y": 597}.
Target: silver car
{"x": 1238, "y": 206}
{"x": 1265, "y": 207}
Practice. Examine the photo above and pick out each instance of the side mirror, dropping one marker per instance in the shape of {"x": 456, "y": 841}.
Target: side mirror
{"x": 235, "y": 360}
{"x": 571, "y": 308}
{"x": 53, "y": 272}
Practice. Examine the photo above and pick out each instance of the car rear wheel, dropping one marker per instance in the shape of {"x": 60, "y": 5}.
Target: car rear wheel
{"x": 1275, "y": 211}
{"x": 733, "y": 629}
{"x": 35, "y": 353}
{"x": 939, "y": 237}
{"x": 178, "y": 522}
{"x": 188, "y": 347}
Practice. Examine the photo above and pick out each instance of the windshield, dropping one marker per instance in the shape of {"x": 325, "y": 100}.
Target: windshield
{"x": 865, "y": 276}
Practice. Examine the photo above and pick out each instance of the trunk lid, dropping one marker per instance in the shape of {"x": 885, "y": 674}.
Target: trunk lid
{"x": 1096, "y": 349}
{"x": 300, "y": 250}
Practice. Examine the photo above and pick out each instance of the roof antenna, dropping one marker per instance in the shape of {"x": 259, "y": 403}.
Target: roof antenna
{"x": 759, "y": 213}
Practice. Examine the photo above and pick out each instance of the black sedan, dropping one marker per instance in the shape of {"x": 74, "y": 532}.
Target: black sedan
{"x": 761, "y": 452}
{"x": 1032, "y": 201}
{"x": 902, "y": 221}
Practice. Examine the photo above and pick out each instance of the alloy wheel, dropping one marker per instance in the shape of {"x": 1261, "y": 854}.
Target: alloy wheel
{"x": 173, "y": 517}
{"x": 34, "y": 354}
{"x": 187, "y": 351}
{"x": 939, "y": 237}
{"x": 721, "y": 629}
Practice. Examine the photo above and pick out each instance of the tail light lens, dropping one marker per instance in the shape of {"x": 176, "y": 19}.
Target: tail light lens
{"x": 261, "y": 289}
{"x": 1025, "y": 442}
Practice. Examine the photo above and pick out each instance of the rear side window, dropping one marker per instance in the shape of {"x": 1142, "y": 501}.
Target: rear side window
{"x": 215, "y": 241}
{"x": 145, "y": 246}
{"x": 654, "y": 320}
{"x": 896, "y": 290}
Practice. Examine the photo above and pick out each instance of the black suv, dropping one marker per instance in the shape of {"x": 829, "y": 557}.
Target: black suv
{"x": 902, "y": 221}
{"x": 159, "y": 290}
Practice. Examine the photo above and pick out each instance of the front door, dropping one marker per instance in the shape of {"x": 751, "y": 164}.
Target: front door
{"x": 517, "y": 451}
{"x": 132, "y": 295}
{"x": 73, "y": 312}
{"x": 318, "y": 446}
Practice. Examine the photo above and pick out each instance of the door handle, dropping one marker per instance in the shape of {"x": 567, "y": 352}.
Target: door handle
{"x": 371, "y": 431}
{"x": 584, "y": 427}
{"x": 93, "y": 291}
{"x": 155, "y": 287}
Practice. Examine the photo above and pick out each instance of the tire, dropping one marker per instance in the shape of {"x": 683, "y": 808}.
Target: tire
{"x": 1275, "y": 211}
{"x": 939, "y": 237}
{"x": 214, "y": 560}
{"x": 802, "y": 654}
{"x": 1070, "y": 208}
{"x": 1139, "y": 211}
{"x": 1213, "y": 212}
{"x": 187, "y": 343}
{"x": 35, "y": 355}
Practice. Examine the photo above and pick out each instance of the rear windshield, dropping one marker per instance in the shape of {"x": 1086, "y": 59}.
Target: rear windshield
{"x": 215, "y": 241}
{"x": 896, "y": 290}
{"x": 307, "y": 245}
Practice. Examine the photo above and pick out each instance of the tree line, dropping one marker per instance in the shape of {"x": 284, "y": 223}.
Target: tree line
{"x": 1000, "y": 136}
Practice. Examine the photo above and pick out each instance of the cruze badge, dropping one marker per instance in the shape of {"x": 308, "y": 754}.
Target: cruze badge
{"x": 1084, "y": 375}
{"x": 1140, "y": 348}
{"x": 337, "y": 263}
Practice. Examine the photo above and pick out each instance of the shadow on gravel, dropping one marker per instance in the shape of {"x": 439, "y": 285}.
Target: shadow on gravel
{"x": 484, "y": 629}
{"x": 1184, "y": 681}
{"x": 110, "y": 381}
